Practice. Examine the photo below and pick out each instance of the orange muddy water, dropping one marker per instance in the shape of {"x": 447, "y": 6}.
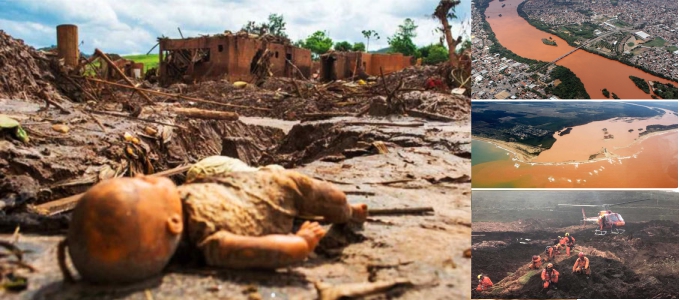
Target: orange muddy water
{"x": 653, "y": 166}
{"x": 596, "y": 72}
{"x": 589, "y": 138}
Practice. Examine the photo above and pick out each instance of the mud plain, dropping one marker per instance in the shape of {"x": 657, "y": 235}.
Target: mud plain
{"x": 508, "y": 228}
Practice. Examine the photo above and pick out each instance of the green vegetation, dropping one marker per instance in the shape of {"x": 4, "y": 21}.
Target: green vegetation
{"x": 630, "y": 44}
{"x": 368, "y": 34}
{"x": 656, "y": 42}
{"x": 656, "y": 128}
{"x": 641, "y": 83}
{"x": 358, "y": 47}
{"x": 672, "y": 48}
{"x": 343, "y": 46}
{"x": 318, "y": 43}
{"x": 570, "y": 88}
{"x": 274, "y": 26}
{"x": 402, "y": 40}
{"x": 606, "y": 93}
{"x": 525, "y": 278}
{"x": 536, "y": 122}
{"x": 665, "y": 91}
{"x": 433, "y": 54}
{"x": 615, "y": 96}
{"x": 149, "y": 61}
{"x": 614, "y": 2}
{"x": 548, "y": 42}
{"x": 619, "y": 23}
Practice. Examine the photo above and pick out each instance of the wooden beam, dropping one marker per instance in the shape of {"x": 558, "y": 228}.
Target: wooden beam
{"x": 113, "y": 65}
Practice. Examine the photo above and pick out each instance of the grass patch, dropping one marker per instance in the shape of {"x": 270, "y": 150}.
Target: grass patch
{"x": 525, "y": 278}
{"x": 672, "y": 48}
{"x": 656, "y": 42}
{"x": 548, "y": 42}
{"x": 620, "y": 23}
{"x": 149, "y": 61}
{"x": 630, "y": 44}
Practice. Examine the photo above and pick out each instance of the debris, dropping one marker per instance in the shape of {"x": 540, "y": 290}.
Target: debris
{"x": 400, "y": 211}
{"x": 356, "y": 290}
{"x": 60, "y": 128}
{"x": 113, "y": 65}
{"x": 468, "y": 253}
{"x": 381, "y": 147}
{"x": 206, "y": 114}
{"x": 68, "y": 203}
{"x": 240, "y": 84}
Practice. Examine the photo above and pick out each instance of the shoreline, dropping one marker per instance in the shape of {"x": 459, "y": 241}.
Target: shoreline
{"x": 519, "y": 157}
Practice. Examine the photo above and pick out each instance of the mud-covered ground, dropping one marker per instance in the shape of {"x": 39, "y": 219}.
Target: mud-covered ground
{"x": 427, "y": 164}
{"x": 641, "y": 263}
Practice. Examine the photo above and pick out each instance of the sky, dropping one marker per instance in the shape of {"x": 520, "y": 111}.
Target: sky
{"x": 133, "y": 26}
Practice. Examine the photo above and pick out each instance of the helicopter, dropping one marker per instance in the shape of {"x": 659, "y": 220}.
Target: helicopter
{"x": 607, "y": 219}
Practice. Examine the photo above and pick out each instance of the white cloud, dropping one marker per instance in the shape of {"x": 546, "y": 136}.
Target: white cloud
{"x": 128, "y": 26}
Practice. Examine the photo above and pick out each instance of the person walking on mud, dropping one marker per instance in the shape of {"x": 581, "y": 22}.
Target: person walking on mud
{"x": 536, "y": 263}
{"x": 484, "y": 283}
{"x": 582, "y": 265}
{"x": 550, "y": 277}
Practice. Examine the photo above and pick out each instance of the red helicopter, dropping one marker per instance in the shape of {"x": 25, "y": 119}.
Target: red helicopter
{"x": 606, "y": 219}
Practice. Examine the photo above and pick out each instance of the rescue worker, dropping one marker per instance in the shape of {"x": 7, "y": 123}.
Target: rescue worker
{"x": 550, "y": 276}
{"x": 582, "y": 265}
{"x": 549, "y": 250}
{"x": 484, "y": 283}
{"x": 570, "y": 243}
{"x": 563, "y": 243}
{"x": 536, "y": 263}
{"x": 602, "y": 222}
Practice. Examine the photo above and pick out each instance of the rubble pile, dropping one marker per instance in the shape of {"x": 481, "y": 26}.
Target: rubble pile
{"x": 24, "y": 72}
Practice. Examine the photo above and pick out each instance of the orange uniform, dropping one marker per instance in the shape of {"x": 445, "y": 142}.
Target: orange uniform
{"x": 536, "y": 263}
{"x": 570, "y": 243}
{"x": 549, "y": 277}
{"x": 484, "y": 284}
{"x": 550, "y": 253}
{"x": 582, "y": 265}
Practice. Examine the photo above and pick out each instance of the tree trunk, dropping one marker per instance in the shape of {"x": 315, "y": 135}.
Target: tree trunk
{"x": 449, "y": 39}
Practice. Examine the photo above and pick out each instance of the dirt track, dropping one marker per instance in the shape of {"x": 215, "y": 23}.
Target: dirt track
{"x": 641, "y": 263}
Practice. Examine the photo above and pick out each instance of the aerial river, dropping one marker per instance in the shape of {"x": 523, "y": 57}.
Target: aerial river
{"x": 596, "y": 72}
{"x": 630, "y": 160}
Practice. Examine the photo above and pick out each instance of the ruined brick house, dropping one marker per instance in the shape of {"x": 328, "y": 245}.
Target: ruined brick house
{"x": 340, "y": 65}
{"x": 228, "y": 55}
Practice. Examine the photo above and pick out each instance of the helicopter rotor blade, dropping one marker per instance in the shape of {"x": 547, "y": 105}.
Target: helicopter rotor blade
{"x": 585, "y": 205}
{"x": 627, "y": 202}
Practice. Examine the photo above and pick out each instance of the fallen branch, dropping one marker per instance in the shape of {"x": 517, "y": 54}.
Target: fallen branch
{"x": 133, "y": 118}
{"x": 400, "y": 211}
{"x": 323, "y": 116}
{"x": 296, "y": 68}
{"x": 431, "y": 116}
{"x": 175, "y": 95}
{"x": 113, "y": 65}
{"x": 206, "y": 114}
{"x": 386, "y": 124}
{"x": 68, "y": 203}
{"x": 357, "y": 290}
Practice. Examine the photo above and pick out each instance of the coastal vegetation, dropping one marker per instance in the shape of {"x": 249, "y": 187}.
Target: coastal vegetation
{"x": 641, "y": 84}
{"x": 570, "y": 88}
